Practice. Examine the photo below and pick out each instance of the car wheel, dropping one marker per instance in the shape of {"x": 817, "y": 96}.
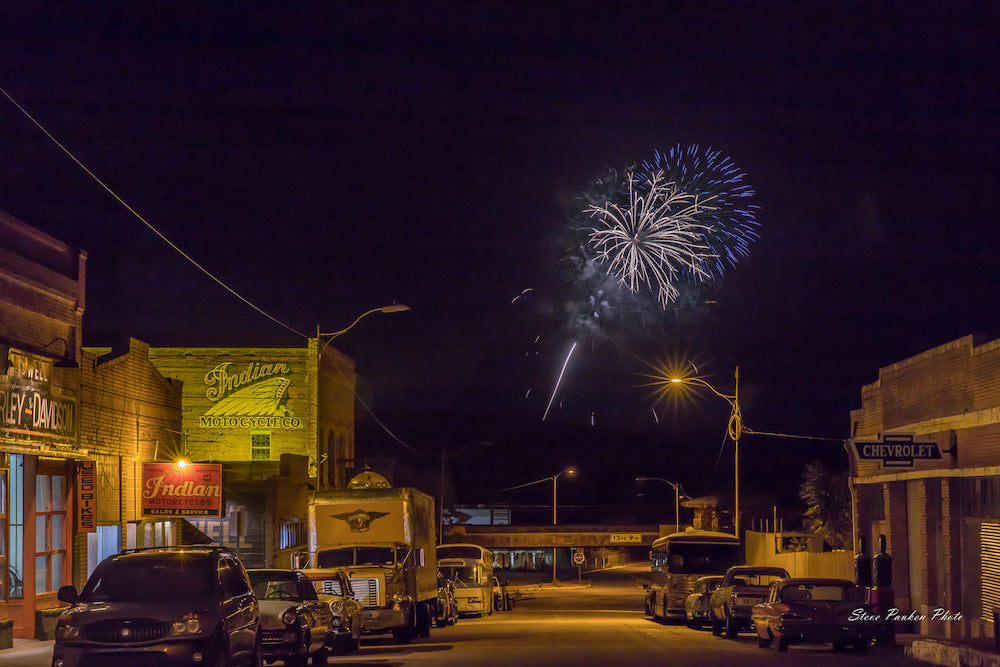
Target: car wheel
{"x": 860, "y": 646}
{"x": 695, "y": 624}
{"x": 731, "y": 630}
{"x": 838, "y": 647}
{"x": 319, "y": 657}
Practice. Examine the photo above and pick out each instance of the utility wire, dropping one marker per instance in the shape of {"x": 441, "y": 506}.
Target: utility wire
{"x": 145, "y": 222}
{"x": 184, "y": 254}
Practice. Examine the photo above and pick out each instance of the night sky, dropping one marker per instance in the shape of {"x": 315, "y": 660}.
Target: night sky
{"x": 323, "y": 159}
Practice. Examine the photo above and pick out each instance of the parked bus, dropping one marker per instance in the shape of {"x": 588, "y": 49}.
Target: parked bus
{"x": 470, "y": 567}
{"x": 676, "y": 562}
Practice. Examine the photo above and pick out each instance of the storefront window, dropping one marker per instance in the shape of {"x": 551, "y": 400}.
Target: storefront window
{"x": 101, "y": 544}
{"x": 50, "y": 521}
{"x": 15, "y": 517}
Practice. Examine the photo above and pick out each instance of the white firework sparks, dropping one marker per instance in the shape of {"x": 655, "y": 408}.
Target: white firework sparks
{"x": 656, "y": 235}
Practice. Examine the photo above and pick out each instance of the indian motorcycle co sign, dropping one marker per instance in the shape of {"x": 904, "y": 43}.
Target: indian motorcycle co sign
{"x": 29, "y": 404}
{"x": 259, "y": 395}
{"x": 170, "y": 490}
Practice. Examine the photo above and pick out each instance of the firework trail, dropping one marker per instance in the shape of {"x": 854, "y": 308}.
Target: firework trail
{"x": 555, "y": 390}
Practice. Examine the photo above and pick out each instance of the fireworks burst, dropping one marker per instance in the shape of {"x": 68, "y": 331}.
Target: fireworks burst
{"x": 651, "y": 238}
{"x": 681, "y": 217}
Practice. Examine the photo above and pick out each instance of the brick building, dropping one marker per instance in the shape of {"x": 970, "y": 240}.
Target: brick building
{"x": 281, "y": 421}
{"x": 42, "y": 286}
{"x": 926, "y": 475}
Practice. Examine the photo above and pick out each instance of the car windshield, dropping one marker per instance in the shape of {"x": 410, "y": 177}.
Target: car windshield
{"x": 694, "y": 558}
{"x": 143, "y": 577}
{"x": 275, "y": 586}
{"x": 820, "y": 593}
{"x": 349, "y": 556}
{"x": 464, "y": 577}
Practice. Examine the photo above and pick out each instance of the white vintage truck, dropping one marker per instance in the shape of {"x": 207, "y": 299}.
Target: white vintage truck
{"x": 384, "y": 538}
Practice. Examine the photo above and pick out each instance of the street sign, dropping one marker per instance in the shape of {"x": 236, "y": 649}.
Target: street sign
{"x": 898, "y": 450}
{"x": 578, "y": 558}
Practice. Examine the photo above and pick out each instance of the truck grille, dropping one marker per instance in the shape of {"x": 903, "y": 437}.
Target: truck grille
{"x": 366, "y": 591}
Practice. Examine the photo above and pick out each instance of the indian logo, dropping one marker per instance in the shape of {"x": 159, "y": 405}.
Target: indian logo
{"x": 359, "y": 521}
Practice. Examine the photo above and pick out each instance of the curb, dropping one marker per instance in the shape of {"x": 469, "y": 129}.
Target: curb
{"x": 951, "y": 655}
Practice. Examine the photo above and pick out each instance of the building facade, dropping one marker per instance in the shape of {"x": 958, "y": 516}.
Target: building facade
{"x": 925, "y": 459}
{"x": 42, "y": 287}
{"x": 280, "y": 421}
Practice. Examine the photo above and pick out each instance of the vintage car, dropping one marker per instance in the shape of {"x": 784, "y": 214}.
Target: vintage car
{"x": 294, "y": 622}
{"x": 741, "y": 588}
{"x": 446, "y": 611}
{"x": 696, "y": 611}
{"x": 815, "y": 611}
{"x": 502, "y": 599}
{"x": 334, "y": 587}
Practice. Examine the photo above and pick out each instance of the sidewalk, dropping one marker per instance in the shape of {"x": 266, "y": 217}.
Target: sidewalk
{"x": 23, "y": 648}
{"x": 939, "y": 651}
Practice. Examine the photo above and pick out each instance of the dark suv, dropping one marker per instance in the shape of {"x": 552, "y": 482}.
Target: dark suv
{"x": 161, "y": 606}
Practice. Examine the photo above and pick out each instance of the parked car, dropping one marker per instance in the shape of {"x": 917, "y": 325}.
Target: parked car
{"x": 294, "y": 622}
{"x": 741, "y": 588}
{"x": 502, "y": 599}
{"x": 696, "y": 611}
{"x": 166, "y": 606}
{"x": 334, "y": 586}
{"x": 446, "y": 612}
{"x": 814, "y": 611}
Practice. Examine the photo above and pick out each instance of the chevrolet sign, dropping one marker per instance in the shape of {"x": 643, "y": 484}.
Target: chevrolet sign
{"x": 898, "y": 450}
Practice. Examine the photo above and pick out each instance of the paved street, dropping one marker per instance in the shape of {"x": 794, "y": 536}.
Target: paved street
{"x": 602, "y": 624}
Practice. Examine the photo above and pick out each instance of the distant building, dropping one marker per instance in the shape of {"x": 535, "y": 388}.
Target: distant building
{"x": 281, "y": 421}
{"x": 926, "y": 474}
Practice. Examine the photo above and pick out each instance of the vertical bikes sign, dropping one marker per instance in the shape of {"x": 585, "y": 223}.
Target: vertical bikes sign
{"x": 86, "y": 496}
{"x": 170, "y": 490}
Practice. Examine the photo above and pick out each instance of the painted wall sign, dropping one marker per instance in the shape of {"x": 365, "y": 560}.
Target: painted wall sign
{"x": 259, "y": 395}
{"x": 169, "y": 490}
{"x": 898, "y": 450}
{"x": 28, "y": 402}
{"x": 625, "y": 538}
{"x": 86, "y": 496}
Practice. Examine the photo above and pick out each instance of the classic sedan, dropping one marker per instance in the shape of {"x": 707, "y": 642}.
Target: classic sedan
{"x": 333, "y": 586}
{"x": 696, "y": 611}
{"x": 814, "y": 611}
{"x": 294, "y": 622}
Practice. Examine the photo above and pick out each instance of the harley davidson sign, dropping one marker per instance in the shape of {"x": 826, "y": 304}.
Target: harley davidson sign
{"x": 171, "y": 490}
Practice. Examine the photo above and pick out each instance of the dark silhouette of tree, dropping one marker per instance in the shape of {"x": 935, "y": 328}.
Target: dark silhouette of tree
{"x": 828, "y": 504}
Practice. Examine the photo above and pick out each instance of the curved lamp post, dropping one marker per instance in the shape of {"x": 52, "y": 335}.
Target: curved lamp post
{"x": 555, "y": 504}
{"x": 677, "y": 498}
{"x": 735, "y": 430}
{"x": 391, "y": 308}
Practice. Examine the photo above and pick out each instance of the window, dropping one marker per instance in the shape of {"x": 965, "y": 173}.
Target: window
{"x": 15, "y": 518}
{"x": 50, "y": 535}
{"x": 260, "y": 446}
{"x": 4, "y": 583}
{"x": 105, "y": 542}
{"x": 292, "y": 534}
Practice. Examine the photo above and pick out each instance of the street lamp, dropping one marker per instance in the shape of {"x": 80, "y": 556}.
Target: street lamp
{"x": 555, "y": 505}
{"x": 735, "y": 429}
{"x": 677, "y": 498}
{"x": 391, "y": 308}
